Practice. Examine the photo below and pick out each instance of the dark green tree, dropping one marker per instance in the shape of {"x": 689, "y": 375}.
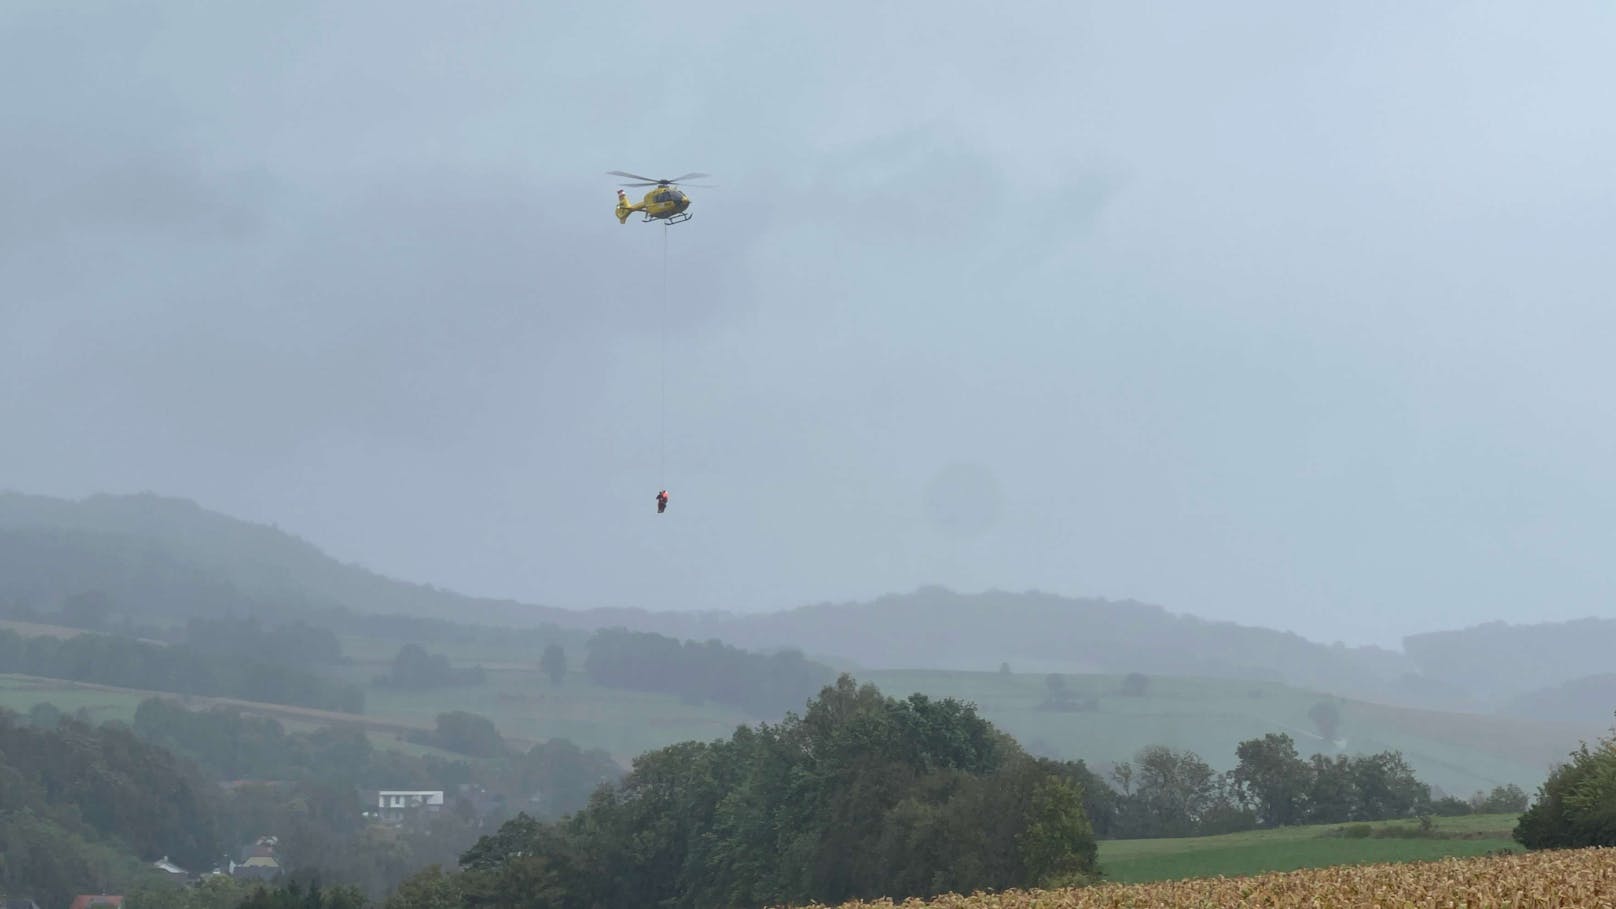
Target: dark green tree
{"x": 215, "y": 892}
{"x": 764, "y": 685}
{"x": 468, "y": 733}
{"x": 1449, "y": 806}
{"x": 554, "y": 663}
{"x": 415, "y": 668}
{"x": 295, "y": 896}
{"x": 1274, "y": 778}
{"x": 430, "y": 888}
{"x": 1506, "y": 799}
{"x": 861, "y": 796}
{"x": 1576, "y": 805}
{"x": 1386, "y": 787}
{"x": 1056, "y": 695}
{"x": 1326, "y": 717}
{"x": 1332, "y": 791}
{"x": 1173, "y": 790}
{"x": 44, "y": 716}
{"x": 1057, "y": 845}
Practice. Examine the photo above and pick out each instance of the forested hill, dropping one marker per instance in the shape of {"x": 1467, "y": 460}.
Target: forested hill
{"x": 168, "y": 555}
{"x": 1543, "y": 655}
{"x": 159, "y": 556}
{"x": 172, "y": 550}
{"x": 170, "y": 558}
{"x": 1035, "y": 632}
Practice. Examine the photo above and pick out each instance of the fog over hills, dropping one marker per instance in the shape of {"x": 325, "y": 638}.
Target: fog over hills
{"x": 170, "y": 558}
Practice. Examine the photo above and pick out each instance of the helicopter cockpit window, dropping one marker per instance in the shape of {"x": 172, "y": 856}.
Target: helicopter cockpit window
{"x": 664, "y": 197}
{"x": 676, "y": 196}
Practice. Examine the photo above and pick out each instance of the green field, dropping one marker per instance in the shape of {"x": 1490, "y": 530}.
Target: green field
{"x": 1291, "y": 848}
{"x": 527, "y": 707}
{"x": 489, "y": 652}
{"x": 19, "y": 693}
{"x": 1460, "y": 753}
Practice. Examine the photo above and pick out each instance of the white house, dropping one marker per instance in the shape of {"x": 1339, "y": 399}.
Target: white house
{"x": 394, "y": 806}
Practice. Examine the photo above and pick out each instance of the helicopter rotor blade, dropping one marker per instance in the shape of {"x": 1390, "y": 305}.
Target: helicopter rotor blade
{"x": 623, "y": 173}
{"x": 639, "y": 184}
{"x": 687, "y": 176}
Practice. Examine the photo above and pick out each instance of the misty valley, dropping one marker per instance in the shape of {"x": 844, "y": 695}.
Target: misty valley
{"x": 205, "y": 712}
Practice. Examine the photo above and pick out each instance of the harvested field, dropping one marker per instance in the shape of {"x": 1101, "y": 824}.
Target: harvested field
{"x": 1584, "y": 878}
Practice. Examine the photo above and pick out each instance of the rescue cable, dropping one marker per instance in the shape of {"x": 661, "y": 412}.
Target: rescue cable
{"x": 662, "y": 408}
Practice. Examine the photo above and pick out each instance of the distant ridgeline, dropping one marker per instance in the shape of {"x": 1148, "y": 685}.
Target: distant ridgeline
{"x": 763, "y": 685}
{"x": 164, "y": 560}
{"x": 1498, "y": 660}
{"x": 169, "y": 557}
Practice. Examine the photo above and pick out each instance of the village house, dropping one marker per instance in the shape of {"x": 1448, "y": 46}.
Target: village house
{"x": 398, "y": 806}
{"x": 258, "y": 861}
{"x": 173, "y": 871}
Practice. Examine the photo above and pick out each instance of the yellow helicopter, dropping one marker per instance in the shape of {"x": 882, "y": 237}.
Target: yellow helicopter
{"x": 666, "y": 203}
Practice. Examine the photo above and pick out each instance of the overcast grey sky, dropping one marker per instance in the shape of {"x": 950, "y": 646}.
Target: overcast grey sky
{"x": 1290, "y": 314}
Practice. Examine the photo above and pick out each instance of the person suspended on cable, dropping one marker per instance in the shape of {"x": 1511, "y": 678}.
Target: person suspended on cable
{"x": 662, "y": 501}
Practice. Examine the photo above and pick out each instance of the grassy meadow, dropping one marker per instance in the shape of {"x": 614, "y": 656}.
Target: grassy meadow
{"x": 1460, "y": 753}
{"x": 19, "y": 693}
{"x": 528, "y": 707}
{"x": 1292, "y": 848}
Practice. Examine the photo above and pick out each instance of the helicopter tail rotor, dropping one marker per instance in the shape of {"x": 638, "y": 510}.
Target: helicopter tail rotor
{"x": 624, "y": 207}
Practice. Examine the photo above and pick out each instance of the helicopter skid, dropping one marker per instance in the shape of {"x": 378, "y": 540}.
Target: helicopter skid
{"x": 680, "y": 218}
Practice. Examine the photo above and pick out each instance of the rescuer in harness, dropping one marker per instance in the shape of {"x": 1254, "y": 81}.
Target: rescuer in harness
{"x": 662, "y": 501}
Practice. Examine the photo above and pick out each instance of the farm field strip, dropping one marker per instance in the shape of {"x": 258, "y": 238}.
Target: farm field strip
{"x": 46, "y": 689}
{"x": 1294, "y": 848}
{"x": 1583, "y": 878}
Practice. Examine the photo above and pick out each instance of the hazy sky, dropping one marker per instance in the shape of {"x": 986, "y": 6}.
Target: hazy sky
{"x": 1285, "y": 313}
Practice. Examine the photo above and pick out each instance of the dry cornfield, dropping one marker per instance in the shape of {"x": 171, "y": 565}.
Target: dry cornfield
{"x": 1583, "y": 878}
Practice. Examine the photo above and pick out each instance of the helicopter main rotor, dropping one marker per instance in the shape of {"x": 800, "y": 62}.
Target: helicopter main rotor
{"x": 649, "y": 181}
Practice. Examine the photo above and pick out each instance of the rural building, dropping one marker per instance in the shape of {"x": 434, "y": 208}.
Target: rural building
{"x": 396, "y": 806}
{"x": 258, "y": 861}
{"x": 174, "y": 871}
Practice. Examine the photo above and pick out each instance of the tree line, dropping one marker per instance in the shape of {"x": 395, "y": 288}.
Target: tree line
{"x": 417, "y": 670}
{"x": 309, "y": 788}
{"x": 763, "y": 685}
{"x": 863, "y": 795}
{"x": 86, "y": 808}
{"x": 183, "y": 669}
{"x": 76, "y": 801}
{"x": 294, "y": 643}
{"x": 1170, "y": 792}
{"x": 1576, "y": 805}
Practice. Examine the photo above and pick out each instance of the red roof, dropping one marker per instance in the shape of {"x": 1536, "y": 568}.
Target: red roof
{"x": 85, "y": 902}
